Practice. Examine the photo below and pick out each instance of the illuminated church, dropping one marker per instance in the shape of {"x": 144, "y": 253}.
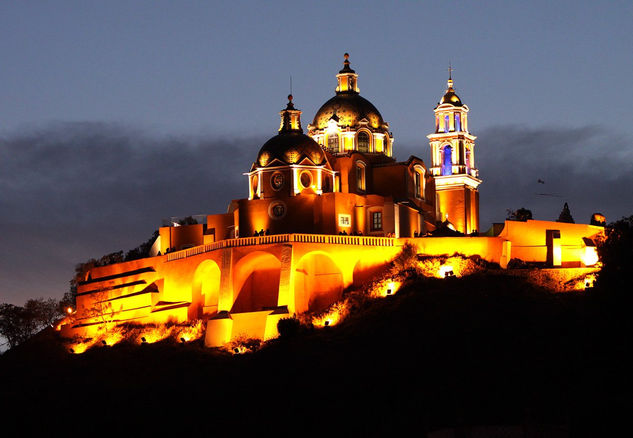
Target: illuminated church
{"x": 326, "y": 209}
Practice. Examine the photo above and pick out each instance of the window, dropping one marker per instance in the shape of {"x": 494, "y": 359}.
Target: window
{"x": 363, "y": 142}
{"x": 447, "y": 160}
{"x": 376, "y": 221}
{"x": 418, "y": 176}
{"x": 344, "y": 220}
{"x": 305, "y": 179}
{"x": 446, "y": 122}
{"x": 458, "y": 124}
{"x": 468, "y": 164}
{"x": 277, "y": 181}
{"x": 332, "y": 142}
{"x": 360, "y": 176}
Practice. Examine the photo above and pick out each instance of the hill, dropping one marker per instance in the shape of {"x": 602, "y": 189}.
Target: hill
{"x": 441, "y": 353}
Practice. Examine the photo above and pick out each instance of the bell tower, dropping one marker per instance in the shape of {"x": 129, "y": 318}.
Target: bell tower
{"x": 453, "y": 164}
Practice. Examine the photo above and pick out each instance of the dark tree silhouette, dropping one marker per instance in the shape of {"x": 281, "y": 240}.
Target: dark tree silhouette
{"x": 616, "y": 255}
{"x": 522, "y": 214}
{"x": 19, "y": 323}
{"x": 565, "y": 215}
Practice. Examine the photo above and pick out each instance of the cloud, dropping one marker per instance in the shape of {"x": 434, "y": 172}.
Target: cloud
{"x": 588, "y": 167}
{"x": 72, "y": 191}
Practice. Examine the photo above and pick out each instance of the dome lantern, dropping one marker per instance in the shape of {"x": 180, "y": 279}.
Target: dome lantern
{"x": 290, "y": 118}
{"x": 347, "y": 78}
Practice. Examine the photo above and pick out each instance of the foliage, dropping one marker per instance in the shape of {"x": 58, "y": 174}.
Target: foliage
{"x": 406, "y": 258}
{"x": 565, "y": 215}
{"x": 288, "y": 327}
{"x": 616, "y": 255}
{"x": 19, "y": 323}
{"x": 522, "y": 214}
{"x": 189, "y": 220}
{"x": 142, "y": 250}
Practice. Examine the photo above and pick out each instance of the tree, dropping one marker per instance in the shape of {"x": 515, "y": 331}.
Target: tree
{"x": 17, "y": 323}
{"x": 616, "y": 255}
{"x": 522, "y": 214}
{"x": 565, "y": 215}
{"x": 143, "y": 249}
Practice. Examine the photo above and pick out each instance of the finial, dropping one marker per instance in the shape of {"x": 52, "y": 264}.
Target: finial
{"x": 450, "y": 76}
{"x": 290, "y": 105}
{"x": 346, "y": 56}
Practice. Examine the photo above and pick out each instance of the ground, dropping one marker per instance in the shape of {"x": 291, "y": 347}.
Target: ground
{"x": 479, "y": 350}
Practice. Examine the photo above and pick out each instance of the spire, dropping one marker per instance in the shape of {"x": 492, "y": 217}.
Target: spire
{"x": 449, "y": 94}
{"x": 347, "y": 78}
{"x": 290, "y": 118}
{"x": 449, "y": 83}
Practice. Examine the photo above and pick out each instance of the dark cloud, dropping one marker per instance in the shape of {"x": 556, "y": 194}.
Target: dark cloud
{"x": 79, "y": 190}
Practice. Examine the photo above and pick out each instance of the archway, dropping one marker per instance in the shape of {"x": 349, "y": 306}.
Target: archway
{"x": 256, "y": 282}
{"x": 318, "y": 282}
{"x": 365, "y": 272}
{"x": 205, "y": 290}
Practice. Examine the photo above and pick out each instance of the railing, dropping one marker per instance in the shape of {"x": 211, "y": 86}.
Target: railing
{"x": 282, "y": 238}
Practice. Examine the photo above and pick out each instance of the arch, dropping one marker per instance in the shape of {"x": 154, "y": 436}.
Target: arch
{"x": 447, "y": 160}
{"x": 363, "y": 141}
{"x": 419, "y": 181}
{"x": 318, "y": 282}
{"x": 365, "y": 271}
{"x": 205, "y": 290}
{"x": 361, "y": 180}
{"x": 256, "y": 282}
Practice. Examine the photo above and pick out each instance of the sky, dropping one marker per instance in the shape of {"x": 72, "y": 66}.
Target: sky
{"x": 115, "y": 115}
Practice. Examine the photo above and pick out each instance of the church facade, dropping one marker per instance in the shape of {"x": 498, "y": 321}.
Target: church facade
{"x": 326, "y": 209}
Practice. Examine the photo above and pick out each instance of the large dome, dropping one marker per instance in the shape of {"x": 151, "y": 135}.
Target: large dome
{"x": 290, "y": 148}
{"x": 350, "y": 108}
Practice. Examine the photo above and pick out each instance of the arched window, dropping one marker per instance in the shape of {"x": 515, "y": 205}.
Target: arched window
{"x": 363, "y": 141}
{"x": 458, "y": 122}
{"x": 360, "y": 176}
{"x": 468, "y": 157}
{"x": 418, "y": 178}
{"x": 437, "y": 123}
{"x": 332, "y": 142}
{"x": 447, "y": 160}
{"x": 447, "y": 123}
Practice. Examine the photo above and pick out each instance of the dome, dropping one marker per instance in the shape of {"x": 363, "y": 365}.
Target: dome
{"x": 350, "y": 108}
{"x": 290, "y": 148}
{"x": 452, "y": 98}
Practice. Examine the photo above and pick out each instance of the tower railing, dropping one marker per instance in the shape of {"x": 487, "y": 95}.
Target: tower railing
{"x": 282, "y": 238}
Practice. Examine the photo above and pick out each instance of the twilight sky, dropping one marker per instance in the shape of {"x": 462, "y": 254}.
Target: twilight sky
{"x": 114, "y": 115}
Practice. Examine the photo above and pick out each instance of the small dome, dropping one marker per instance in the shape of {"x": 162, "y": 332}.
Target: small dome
{"x": 290, "y": 148}
{"x": 350, "y": 108}
{"x": 452, "y": 98}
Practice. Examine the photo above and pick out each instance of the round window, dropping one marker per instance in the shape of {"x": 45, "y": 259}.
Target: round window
{"x": 277, "y": 180}
{"x": 306, "y": 179}
{"x": 277, "y": 210}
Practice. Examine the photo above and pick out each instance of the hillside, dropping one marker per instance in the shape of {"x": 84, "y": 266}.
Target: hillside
{"x": 456, "y": 352}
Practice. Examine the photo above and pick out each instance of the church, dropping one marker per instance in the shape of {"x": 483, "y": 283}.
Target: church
{"x": 327, "y": 209}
